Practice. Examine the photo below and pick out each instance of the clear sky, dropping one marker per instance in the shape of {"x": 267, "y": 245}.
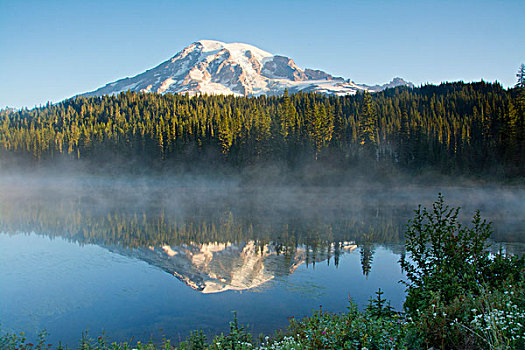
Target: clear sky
{"x": 51, "y": 50}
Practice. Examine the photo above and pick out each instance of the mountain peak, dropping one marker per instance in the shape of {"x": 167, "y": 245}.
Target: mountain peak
{"x": 214, "y": 45}
{"x": 215, "y": 67}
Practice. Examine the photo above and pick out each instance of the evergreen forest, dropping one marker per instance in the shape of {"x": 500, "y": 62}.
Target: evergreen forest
{"x": 454, "y": 128}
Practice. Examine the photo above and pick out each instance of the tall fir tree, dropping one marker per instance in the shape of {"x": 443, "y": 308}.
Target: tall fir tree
{"x": 368, "y": 123}
{"x": 521, "y": 77}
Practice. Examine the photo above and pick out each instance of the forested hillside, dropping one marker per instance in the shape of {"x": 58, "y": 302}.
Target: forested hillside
{"x": 456, "y": 128}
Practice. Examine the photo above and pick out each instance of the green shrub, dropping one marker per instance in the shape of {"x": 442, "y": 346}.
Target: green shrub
{"x": 237, "y": 339}
{"x": 195, "y": 341}
{"x": 378, "y": 327}
{"x": 451, "y": 275}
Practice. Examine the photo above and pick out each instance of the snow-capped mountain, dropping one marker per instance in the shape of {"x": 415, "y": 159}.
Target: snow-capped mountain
{"x": 214, "y": 67}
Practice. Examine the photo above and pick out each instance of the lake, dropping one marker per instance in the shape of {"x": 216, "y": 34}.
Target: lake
{"x": 147, "y": 258}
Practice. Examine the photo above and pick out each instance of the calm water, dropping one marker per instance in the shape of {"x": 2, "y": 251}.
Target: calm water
{"x": 148, "y": 258}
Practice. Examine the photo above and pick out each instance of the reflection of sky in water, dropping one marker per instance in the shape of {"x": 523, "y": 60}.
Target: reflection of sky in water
{"x": 66, "y": 288}
{"x": 86, "y": 277}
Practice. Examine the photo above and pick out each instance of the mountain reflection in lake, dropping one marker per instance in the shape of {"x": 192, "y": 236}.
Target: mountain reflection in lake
{"x": 218, "y": 267}
{"x": 151, "y": 257}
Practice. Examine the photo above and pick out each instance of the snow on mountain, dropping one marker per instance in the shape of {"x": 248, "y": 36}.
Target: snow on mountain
{"x": 214, "y": 67}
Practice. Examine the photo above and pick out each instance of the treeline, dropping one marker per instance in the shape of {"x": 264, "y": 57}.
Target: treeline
{"x": 475, "y": 128}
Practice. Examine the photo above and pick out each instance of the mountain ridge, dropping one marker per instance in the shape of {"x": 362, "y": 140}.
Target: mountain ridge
{"x": 214, "y": 67}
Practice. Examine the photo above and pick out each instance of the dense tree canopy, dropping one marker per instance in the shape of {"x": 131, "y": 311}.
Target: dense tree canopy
{"x": 462, "y": 128}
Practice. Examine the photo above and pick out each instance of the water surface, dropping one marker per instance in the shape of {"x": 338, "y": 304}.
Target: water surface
{"x": 148, "y": 258}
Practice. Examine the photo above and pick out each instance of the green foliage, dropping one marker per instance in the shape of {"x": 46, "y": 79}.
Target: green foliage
{"x": 237, "y": 339}
{"x": 379, "y": 307}
{"x": 450, "y": 275}
{"x": 498, "y": 319}
{"x": 367, "y": 123}
{"x": 474, "y": 128}
{"x": 521, "y": 77}
{"x": 196, "y": 341}
{"x": 373, "y": 329}
{"x": 445, "y": 258}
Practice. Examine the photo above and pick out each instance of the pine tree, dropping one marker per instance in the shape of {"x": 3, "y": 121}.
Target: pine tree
{"x": 521, "y": 77}
{"x": 225, "y": 135}
{"x": 320, "y": 126}
{"x": 367, "y": 123}
{"x": 287, "y": 115}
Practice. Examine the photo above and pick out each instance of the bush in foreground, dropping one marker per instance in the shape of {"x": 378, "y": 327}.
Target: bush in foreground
{"x": 459, "y": 295}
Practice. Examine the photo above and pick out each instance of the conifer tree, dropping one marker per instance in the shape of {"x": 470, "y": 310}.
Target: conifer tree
{"x": 287, "y": 115}
{"x": 521, "y": 77}
{"x": 454, "y": 126}
{"x": 367, "y": 123}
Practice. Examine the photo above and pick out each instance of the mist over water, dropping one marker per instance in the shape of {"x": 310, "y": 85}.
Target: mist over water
{"x": 148, "y": 256}
{"x": 28, "y": 199}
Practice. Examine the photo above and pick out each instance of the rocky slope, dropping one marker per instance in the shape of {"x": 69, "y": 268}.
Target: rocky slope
{"x": 214, "y": 67}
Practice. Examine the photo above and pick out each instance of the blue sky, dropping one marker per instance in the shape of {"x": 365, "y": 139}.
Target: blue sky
{"x": 52, "y": 50}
